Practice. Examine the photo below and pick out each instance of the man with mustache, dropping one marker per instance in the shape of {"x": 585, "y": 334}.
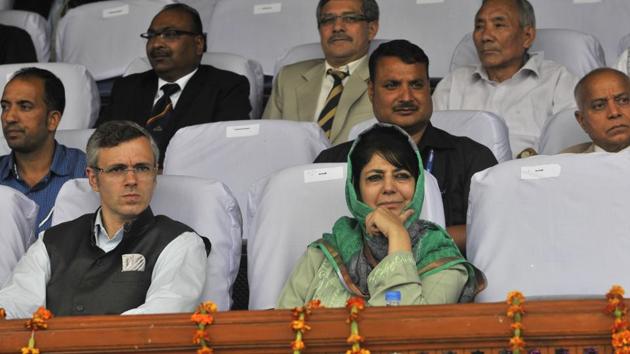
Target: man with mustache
{"x": 331, "y": 91}
{"x": 519, "y": 86}
{"x": 178, "y": 91}
{"x": 32, "y": 105}
{"x": 603, "y": 98}
{"x": 400, "y": 95}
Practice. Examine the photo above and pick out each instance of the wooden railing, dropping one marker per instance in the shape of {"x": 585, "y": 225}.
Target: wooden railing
{"x": 550, "y": 327}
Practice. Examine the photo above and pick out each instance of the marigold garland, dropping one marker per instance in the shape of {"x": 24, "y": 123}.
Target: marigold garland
{"x": 203, "y": 317}
{"x": 37, "y": 322}
{"x": 299, "y": 324}
{"x": 3, "y": 314}
{"x": 620, "y": 337}
{"x": 355, "y": 304}
{"x": 515, "y": 300}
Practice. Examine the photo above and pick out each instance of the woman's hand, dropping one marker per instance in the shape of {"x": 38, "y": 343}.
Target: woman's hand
{"x": 383, "y": 222}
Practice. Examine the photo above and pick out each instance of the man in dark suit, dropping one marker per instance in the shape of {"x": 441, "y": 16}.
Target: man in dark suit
{"x": 178, "y": 91}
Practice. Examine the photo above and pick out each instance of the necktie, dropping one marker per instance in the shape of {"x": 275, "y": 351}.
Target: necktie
{"x": 158, "y": 123}
{"x": 327, "y": 114}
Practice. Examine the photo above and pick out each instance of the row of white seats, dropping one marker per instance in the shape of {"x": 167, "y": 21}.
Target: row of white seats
{"x": 550, "y": 226}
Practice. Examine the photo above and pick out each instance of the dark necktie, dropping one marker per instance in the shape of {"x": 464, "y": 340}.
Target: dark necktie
{"x": 327, "y": 114}
{"x": 158, "y": 123}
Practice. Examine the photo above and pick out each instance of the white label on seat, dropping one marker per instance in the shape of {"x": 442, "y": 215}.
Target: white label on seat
{"x": 267, "y": 8}
{"x": 323, "y": 174}
{"x": 239, "y": 131}
{"x": 116, "y": 11}
{"x": 541, "y": 171}
{"x": 429, "y": 1}
{"x": 586, "y": 1}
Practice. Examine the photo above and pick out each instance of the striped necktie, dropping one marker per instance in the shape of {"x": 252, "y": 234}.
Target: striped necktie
{"x": 327, "y": 114}
{"x": 162, "y": 108}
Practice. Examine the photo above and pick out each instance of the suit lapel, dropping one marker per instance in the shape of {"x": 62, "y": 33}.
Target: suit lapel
{"x": 355, "y": 87}
{"x": 187, "y": 97}
{"x": 308, "y": 92}
{"x": 147, "y": 96}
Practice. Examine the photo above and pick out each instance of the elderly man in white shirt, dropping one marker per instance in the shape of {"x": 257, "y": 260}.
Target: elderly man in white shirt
{"x": 121, "y": 259}
{"x": 522, "y": 88}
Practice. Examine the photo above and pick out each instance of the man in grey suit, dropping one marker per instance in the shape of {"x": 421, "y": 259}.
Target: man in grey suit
{"x": 331, "y": 91}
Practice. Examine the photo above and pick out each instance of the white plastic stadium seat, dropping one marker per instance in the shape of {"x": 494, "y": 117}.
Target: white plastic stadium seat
{"x": 578, "y": 52}
{"x": 205, "y": 205}
{"x": 105, "y": 36}
{"x": 560, "y": 132}
{"x": 551, "y": 226}
{"x": 6, "y": 4}
{"x": 82, "y": 97}
{"x": 17, "y": 217}
{"x": 485, "y": 128}
{"x": 238, "y": 153}
{"x": 293, "y": 208}
{"x": 261, "y": 29}
{"x": 35, "y": 25}
{"x": 74, "y": 138}
{"x": 251, "y": 69}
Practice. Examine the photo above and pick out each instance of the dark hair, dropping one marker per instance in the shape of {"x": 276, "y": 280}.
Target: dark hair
{"x": 197, "y": 26}
{"x": 114, "y": 133}
{"x": 368, "y": 7}
{"x": 391, "y": 144}
{"x": 54, "y": 92}
{"x": 402, "y": 49}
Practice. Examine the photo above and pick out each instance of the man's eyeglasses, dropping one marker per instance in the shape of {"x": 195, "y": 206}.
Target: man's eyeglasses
{"x": 168, "y": 35}
{"x": 347, "y": 19}
{"x": 141, "y": 170}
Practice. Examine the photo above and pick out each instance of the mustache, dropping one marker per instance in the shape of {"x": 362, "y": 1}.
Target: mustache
{"x": 405, "y": 105}
{"x": 339, "y": 36}
{"x": 12, "y": 126}
{"x": 159, "y": 52}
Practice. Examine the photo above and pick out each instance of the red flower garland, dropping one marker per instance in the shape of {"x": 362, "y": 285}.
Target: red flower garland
{"x": 299, "y": 324}
{"x": 37, "y": 322}
{"x": 515, "y": 300}
{"x": 203, "y": 317}
{"x": 355, "y": 304}
{"x": 620, "y": 338}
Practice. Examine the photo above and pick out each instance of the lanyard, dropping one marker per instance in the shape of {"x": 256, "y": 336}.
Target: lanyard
{"x": 430, "y": 159}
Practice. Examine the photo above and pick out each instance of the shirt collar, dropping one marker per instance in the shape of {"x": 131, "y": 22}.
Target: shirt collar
{"x": 532, "y": 66}
{"x": 137, "y": 226}
{"x": 182, "y": 81}
{"x": 349, "y": 68}
{"x": 59, "y": 165}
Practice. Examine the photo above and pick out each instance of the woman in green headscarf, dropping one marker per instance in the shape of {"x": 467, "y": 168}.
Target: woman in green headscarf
{"x": 385, "y": 246}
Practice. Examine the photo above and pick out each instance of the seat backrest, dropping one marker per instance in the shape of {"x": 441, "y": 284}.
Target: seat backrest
{"x": 74, "y": 138}
{"x": 18, "y": 215}
{"x": 624, "y": 43}
{"x": 251, "y": 69}
{"x": 578, "y": 52}
{"x": 309, "y": 51}
{"x": 238, "y": 153}
{"x": 207, "y": 206}
{"x": 35, "y": 25}
{"x": 6, "y": 4}
{"x": 483, "y": 127}
{"x": 551, "y": 225}
{"x": 560, "y": 132}
{"x": 82, "y": 97}
{"x": 264, "y": 29}
{"x": 294, "y": 207}
{"x": 105, "y": 36}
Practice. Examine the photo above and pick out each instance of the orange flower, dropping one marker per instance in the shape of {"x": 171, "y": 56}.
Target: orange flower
{"x": 357, "y": 302}
{"x": 204, "y": 350}
{"x": 357, "y": 351}
{"x": 300, "y": 325}
{"x": 615, "y": 291}
{"x": 297, "y": 311}
{"x": 202, "y": 319}
{"x": 514, "y": 309}
{"x": 27, "y": 350}
{"x": 515, "y": 296}
{"x": 354, "y": 338}
{"x": 3, "y": 314}
{"x": 38, "y": 321}
{"x": 200, "y": 335}
{"x": 207, "y": 307}
{"x": 516, "y": 325}
{"x": 297, "y": 345}
{"x": 517, "y": 343}
{"x": 43, "y": 313}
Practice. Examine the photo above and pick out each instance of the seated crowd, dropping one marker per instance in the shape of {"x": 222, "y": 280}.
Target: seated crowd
{"x": 123, "y": 259}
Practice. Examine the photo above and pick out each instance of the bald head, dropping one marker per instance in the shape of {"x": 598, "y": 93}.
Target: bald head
{"x": 603, "y": 99}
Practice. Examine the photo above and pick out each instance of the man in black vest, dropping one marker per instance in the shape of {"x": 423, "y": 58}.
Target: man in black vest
{"x": 120, "y": 259}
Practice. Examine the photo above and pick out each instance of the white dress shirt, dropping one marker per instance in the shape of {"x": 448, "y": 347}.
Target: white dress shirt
{"x": 623, "y": 64}
{"x": 182, "y": 81}
{"x": 176, "y": 283}
{"x": 539, "y": 90}
{"x": 328, "y": 81}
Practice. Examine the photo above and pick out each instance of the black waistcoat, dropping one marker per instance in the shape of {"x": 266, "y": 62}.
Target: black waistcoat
{"x": 87, "y": 281}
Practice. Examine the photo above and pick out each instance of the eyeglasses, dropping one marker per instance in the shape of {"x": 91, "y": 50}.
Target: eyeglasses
{"x": 141, "y": 170}
{"x": 168, "y": 35}
{"x": 347, "y": 19}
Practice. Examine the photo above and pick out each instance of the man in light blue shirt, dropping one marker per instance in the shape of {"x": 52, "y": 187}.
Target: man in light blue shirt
{"x": 32, "y": 105}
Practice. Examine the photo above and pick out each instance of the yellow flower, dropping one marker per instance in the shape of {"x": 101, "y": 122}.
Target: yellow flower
{"x": 27, "y": 350}
{"x": 300, "y": 325}
{"x": 517, "y": 343}
{"x": 514, "y": 309}
{"x": 209, "y": 306}
{"x": 297, "y": 345}
{"x": 354, "y": 338}
{"x": 204, "y": 350}
{"x": 515, "y": 296}
{"x": 615, "y": 291}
